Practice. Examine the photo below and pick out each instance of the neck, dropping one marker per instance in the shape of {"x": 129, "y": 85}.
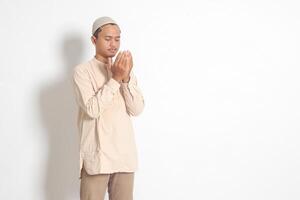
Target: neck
{"x": 101, "y": 58}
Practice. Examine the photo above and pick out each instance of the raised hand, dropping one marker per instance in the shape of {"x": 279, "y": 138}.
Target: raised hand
{"x": 118, "y": 67}
{"x": 129, "y": 65}
{"x": 122, "y": 66}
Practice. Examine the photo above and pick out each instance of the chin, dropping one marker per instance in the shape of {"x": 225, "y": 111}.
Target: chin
{"x": 111, "y": 54}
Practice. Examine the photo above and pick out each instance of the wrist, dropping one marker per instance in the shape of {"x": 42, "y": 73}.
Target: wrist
{"x": 126, "y": 80}
{"x": 118, "y": 79}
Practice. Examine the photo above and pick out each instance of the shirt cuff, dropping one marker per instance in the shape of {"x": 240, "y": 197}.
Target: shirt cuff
{"x": 127, "y": 83}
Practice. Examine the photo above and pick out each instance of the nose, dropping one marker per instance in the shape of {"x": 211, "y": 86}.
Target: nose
{"x": 113, "y": 44}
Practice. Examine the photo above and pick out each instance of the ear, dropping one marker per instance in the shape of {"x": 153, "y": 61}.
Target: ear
{"x": 93, "y": 39}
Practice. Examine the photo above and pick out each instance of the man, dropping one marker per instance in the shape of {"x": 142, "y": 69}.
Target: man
{"x": 108, "y": 95}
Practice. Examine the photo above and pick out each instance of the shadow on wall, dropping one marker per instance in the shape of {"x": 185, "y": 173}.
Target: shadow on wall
{"x": 59, "y": 115}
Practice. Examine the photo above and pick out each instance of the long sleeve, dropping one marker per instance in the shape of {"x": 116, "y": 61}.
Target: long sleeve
{"x": 93, "y": 103}
{"x": 133, "y": 96}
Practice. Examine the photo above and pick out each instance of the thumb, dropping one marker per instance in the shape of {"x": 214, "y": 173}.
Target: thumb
{"x": 109, "y": 63}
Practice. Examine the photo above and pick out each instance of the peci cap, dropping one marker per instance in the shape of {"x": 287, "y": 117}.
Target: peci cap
{"x": 101, "y": 21}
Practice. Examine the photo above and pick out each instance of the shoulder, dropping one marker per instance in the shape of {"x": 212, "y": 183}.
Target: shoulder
{"x": 81, "y": 71}
{"x": 82, "y": 67}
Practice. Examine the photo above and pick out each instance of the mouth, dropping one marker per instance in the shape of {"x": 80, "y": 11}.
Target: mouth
{"x": 112, "y": 50}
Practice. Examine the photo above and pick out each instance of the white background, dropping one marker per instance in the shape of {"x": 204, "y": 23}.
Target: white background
{"x": 221, "y": 87}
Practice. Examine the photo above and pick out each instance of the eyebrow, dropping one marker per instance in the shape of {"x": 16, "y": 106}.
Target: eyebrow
{"x": 111, "y": 36}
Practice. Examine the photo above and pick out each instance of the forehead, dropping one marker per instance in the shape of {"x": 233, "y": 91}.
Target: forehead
{"x": 110, "y": 30}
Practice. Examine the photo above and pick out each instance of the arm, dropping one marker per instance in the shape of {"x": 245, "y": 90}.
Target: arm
{"x": 133, "y": 96}
{"x": 93, "y": 103}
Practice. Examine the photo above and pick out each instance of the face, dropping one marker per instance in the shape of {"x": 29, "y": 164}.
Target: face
{"x": 108, "y": 42}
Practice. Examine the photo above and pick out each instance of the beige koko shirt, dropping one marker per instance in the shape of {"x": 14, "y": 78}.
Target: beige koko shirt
{"x": 107, "y": 142}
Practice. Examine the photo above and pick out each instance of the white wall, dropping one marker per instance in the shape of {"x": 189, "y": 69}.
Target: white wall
{"x": 220, "y": 80}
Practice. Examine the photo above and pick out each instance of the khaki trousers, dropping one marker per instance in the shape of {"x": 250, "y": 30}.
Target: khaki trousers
{"x": 119, "y": 186}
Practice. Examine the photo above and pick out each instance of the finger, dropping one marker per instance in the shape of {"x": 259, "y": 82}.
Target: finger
{"x": 118, "y": 57}
{"x": 127, "y": 62}
{"x": 131, "y": 60}
{"x": 130, "y": 63}
{"x": 109, "y": 62}
{"x": 123, "y": 59}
